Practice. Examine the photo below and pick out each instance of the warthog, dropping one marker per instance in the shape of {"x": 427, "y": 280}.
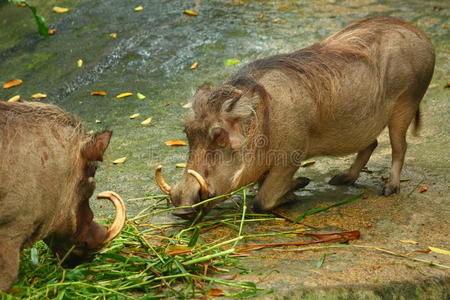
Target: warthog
{"x": 47, "y": 167}
{"x": 332, "y": 98}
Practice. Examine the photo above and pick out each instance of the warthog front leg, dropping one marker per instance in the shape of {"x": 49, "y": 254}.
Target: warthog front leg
{"x": 9, "y": 264}
{"x": 353, "y": 173}
{"x": 276, "y": 187}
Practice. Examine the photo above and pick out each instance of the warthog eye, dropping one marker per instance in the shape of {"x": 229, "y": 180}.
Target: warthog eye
{"x": 219, "y": 136}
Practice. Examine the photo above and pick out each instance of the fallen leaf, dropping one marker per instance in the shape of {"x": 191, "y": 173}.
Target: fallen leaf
{"x": 113, "y": 35}
{"x": 60, "y": 10}
{"x": 123, "y": 95}
{"x": 139, "y": 8}
{"x": 176, "y": 250}
{"x": 194, "y": 66}
{"x": 140, "y": 96}
{"x": 51, "y": 31}
{"x": 231, "y": 62}
{"x": 11, "y": 83}
{"x": 98, "y": 121}
{"x": 437, "y": 8}
{"x": 79, "y": 63}
{"x": 216, "y": 292}
{"x": 439, "y": 250}
{"x": 262, "y": 16}
{"x": 276, "y": 20}
{"x": 448, "y": 84}
{"x": 16, "y": 98}
{"x": 187, "y": 105}
{"x": 181, "y": 165}
{"x": 146, "y": 121}
{"x": 191, "y": 13}
{"x": 91, "y": 132}
{"x": 422, "y": 251}
{"x": 39, "y": 96}
{"x": 134, "y": 116}
{"x": 98, "y": 93}
{"x": 307, "y": 163}
{"x": 120, "y": 160}
{"x": 409, "y": 242}
{"x": 423, "y": 189}
{"x": 365, "y": 196}
{"x": 175, "y": 143}
{"x": 89, "y": 277}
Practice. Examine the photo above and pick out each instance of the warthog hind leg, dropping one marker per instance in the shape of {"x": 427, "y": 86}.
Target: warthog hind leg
{"x": 398, "y": 126}
{"x": 353, "y": 173}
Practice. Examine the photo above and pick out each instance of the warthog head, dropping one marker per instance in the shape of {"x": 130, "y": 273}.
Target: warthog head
{"x": 221, "y": 134}
{"x": 80, "y": 237}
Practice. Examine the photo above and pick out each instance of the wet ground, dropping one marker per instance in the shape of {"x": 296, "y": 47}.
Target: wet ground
{"x": 152, "y": 55}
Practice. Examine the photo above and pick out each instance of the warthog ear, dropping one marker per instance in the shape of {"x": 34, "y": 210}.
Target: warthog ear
{"x": 235, "y": 113}
{"x": 96, "y": 147}
{"x": 200, "y": 97}
{"x": 239, "y": 108}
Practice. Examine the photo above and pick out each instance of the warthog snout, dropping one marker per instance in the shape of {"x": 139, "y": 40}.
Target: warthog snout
{"x": 193, "y": 189}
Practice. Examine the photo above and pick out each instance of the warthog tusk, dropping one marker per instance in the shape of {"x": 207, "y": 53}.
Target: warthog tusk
{"x": 165, "y": 188}
{"x": 119, "y": 220}
{"x": 203, "y": 187}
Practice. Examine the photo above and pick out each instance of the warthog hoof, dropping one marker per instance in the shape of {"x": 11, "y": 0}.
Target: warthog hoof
{"x": 389, "y": 189}
{"x": 342, "y": 179}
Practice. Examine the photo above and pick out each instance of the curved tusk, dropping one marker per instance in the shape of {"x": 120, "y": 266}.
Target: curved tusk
{"x": 165, "y": 188}
{"x": 203, "y": 187}
{"x": 119, "y": 221}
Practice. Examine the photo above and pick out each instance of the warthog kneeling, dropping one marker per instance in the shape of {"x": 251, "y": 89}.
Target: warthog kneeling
{"x": 47, "y": 167}
{"x": 332, "y": 98}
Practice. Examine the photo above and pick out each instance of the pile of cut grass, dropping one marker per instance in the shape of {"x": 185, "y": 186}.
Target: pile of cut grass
{"x": 141, "y": 263}
{"x": 150, "y": 260}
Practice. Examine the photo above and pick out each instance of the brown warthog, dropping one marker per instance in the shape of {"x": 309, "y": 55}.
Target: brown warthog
{"x": 332, "y": 98}
{"x": 47, "y": 167}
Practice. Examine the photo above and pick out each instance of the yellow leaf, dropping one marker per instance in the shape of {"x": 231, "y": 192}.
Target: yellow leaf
{"x": 147, "y": 121}
{"x": 216, "y": 292}
{"x": 120, "y": 160}
{"x": 307, "y": 163}
{"x": 181, "y": 165}
{"x": 11, "y": 83}
{"x": 79, "y": 63}
{"x": 139, "y": 8}
{"x": 187, "y": 105}
{"x": 190, "y": 13}
{"x": 140, "y": 96}
{"x": 60, "y": 10}
{"x": 113, "y": 35}
{"x": 123, "y": 95}
{"x": 409, "y": 242}
{"x": 134, "y": 116}
{"x": 39, "y": 96}
{"x": 98, "y": 93}
{"x": 91, "y": 132}
{"x": 439, "y": 250}
{"x": 194, "y": 66}
{"x": 175, "y": 143}
{"x": 16, "y": 98}
{"x": 98, "y": 121}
